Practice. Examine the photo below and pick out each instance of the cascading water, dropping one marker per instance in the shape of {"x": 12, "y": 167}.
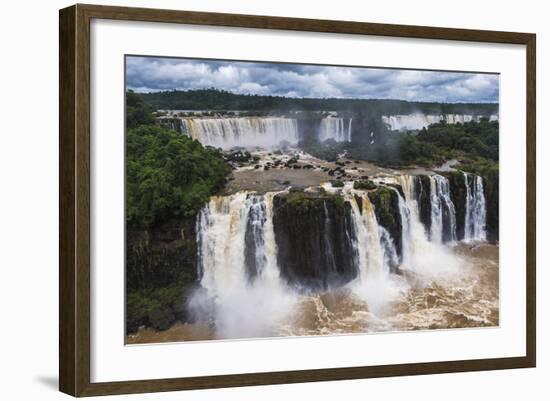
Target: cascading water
{"x": 475, "y": 216}
{"x": 443, "y": 217}
{"x": 369, "y": 245}
{"x": 375, "y": 253}
{"x": 404, "y": 122}
{"x": 246, "y": 293}
{"x": 420, "y": 254}
{"x": 235, "y": 277}
{"x": 334, "y": 128}
{"x": 246, "y": 132}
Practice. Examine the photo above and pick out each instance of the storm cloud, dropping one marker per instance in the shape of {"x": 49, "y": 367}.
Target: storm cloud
{"x": 152, "y": 74}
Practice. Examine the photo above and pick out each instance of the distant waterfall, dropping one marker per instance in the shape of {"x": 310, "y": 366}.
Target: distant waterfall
{"x": 475, "y": 219}
{"x": 335, "y": 128}
{"x": 247, "y": 132}
{"x": 404, "y": 122}
{"x": 443, "y": 227}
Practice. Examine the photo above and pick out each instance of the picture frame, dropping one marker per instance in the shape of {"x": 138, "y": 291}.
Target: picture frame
{"x": 75, "y": 204}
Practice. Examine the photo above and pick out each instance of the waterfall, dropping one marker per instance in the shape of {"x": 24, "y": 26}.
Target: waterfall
{"x": 247, "y": 132}
{"x": 475, "y": 216}
{"x": 443, "y": 228}
{"x": 375, "y": 251}
{"x": 333, "y": 128}
{"x": 237, "y": 263}
{"x": 221, "y": 229}
{"x": 420, "y": 254}
{"x": 254, "y": 238}
{"x": 403, "y": 122}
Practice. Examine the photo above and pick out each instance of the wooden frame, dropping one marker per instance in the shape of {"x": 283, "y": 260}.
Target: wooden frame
{"x": 74, "y": 204}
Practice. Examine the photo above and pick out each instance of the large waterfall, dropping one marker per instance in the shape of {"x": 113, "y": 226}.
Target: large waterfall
{"x": 246, "y": 132}
{"x": 335, "y": 128}
{"x": 403, "y": 122}
{"x": 237, "y": 261}
{"x": 258, "y": 252}
{"x": 474, "y": 224}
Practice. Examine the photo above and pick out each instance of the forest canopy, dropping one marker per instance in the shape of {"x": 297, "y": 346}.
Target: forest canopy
{"x": 214, "y": 99}
{"x": 167, "y": 174}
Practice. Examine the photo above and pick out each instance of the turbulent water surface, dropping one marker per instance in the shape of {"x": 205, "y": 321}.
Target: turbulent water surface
{"x": 428, "y": 279}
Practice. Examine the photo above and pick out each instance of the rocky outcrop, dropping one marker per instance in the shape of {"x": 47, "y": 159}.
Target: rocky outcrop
{"x": 423, "y": 198}
{"x": 491, "y": 192}
{"x": 314, "y": 240}
{"x": 457, "y": 183}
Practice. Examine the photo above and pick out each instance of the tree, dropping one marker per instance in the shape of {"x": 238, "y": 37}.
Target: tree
{"x": 168, "y": 175}
{"x": 137, "y": 111}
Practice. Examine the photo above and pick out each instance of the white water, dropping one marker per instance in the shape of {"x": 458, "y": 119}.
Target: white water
{"x": 246, "y": 132}
{"x": 404, "y": 122}
{"x": 420, "y": 254}
{"x": 375, "y": 252}
{"x": 475, "y": 219}
{"x": 242, "y": 303}
{"x": 240, "y": 306}
{"x": 443, "y": 210}
{"x": 369, "y": 246}
{"x": 334, "y": 128}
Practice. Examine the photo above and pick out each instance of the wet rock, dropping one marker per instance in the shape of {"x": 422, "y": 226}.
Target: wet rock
{"x": 315, "y": 250}
{"x": 457, "y": 184}
{"x": 386, "y": 208}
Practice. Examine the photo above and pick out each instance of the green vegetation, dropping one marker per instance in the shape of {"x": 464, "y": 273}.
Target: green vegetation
{"x": 474, "y": 144}
{"x": 364, "y": 185}
{"x": 339, "y": 201}
{"x": 213, "y": 99}
{"x": 299, "y": 200}
{"x": 168, "y": 175}
{"x": 137, "y": 111}
{"x": 157, "y": 308}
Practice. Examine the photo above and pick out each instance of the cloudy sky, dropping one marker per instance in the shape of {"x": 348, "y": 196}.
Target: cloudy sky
{"x": 151, "y": 74}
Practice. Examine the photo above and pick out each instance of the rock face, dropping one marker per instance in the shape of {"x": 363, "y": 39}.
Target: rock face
{"x": 423, "y": 197}
{"x": 386, "y": 209}
{"x": 490, "y": 189}
{"x": 457, "y": 183}
{"x": 160, "y": 266}
{"x": 314, "y": 240}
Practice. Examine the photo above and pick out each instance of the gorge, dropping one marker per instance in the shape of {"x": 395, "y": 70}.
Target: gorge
{"x": 293, "y": 226}
{"x": 261, "y": 256}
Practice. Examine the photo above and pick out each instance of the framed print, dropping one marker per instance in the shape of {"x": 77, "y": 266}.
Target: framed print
{"x": 250, "y": 200}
